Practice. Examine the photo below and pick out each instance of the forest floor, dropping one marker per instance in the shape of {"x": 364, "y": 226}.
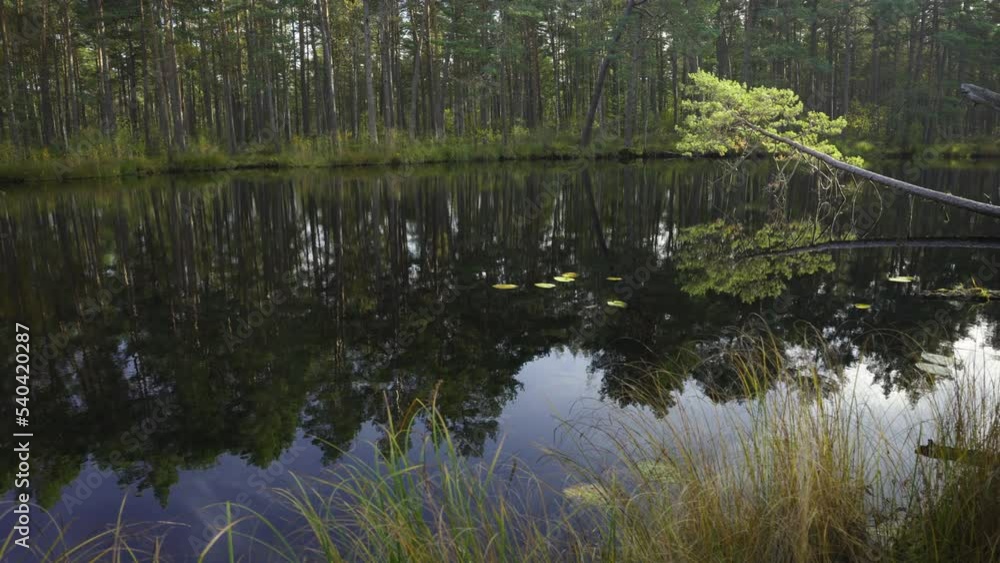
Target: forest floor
{"x": 107, "y": 160}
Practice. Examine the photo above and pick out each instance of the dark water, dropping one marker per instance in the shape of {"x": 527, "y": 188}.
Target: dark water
{"x": 198, "y": 339}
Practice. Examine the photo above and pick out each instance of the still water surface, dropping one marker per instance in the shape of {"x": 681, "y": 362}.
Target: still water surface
{"x": 197, "y": 339}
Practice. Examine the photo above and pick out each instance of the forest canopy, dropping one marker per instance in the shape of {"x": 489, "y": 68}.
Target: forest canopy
{"x": 162, "y": 76}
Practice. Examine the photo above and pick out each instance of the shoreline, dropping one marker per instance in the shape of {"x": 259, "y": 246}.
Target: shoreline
{"x": 72, "y": 169}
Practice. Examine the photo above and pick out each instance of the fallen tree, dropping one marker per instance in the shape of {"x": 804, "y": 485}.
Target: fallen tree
{"x": 919, "y": 191}
{"x": 968, "y": 243}
{"x": 980, "y": 95}
{"x": 725, "y": 117}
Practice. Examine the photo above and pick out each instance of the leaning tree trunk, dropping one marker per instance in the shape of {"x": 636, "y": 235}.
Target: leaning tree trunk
{"x": 966, "y": 243}
{"x": 980, "y": 95}
{"x": 913, "y": 189}
{"x": 602, "y": 73}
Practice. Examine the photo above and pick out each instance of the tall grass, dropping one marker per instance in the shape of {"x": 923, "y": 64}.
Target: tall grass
{"x": 96, "y": 157}
{"x": 800, "y": 469}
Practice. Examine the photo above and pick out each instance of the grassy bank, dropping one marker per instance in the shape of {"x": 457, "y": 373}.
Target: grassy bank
{"x": 940, "y": 153}
{"x": 797, "y": 473}
{"x": 99, "y": 159}
{"x": 94, "y": 157}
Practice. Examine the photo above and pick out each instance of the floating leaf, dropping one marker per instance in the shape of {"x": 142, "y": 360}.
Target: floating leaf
{"x": 662, "y": 471}
{"x": 545, "y": 285}
{"x": 614, "y": 278}
{"x": 936, "y": 359}
{"x": 504, "y": 286}
{"x": 618, "y": 303}
{"x": 862, "y": 306}
{"x": 571, "y": 275}
{"x": 934, "y": 369}
{"x": 901, "y": 279}
{"x": 586, "y": 494}
{"x": 563, "y": 279}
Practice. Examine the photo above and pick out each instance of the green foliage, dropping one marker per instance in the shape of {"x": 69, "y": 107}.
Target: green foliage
{"x": 723, "y": 258}
{"x": 721, "y": 115}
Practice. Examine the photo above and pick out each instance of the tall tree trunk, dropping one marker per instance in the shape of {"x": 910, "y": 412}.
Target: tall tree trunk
{"x": 163, "y": 102}
{"x": 330, "y": 89}
{"x": 557, "y": 97}
{"x": 44, "y": 78}
{"x": 370, "y": 107}
{"x": 355, "y": 97}
{"x": 72, "y": 95}
{"x": 303, "y": 77}
{"x": 848, "y": 52}
{"x": 415, "y": 78}
{"x": 722, "y": 43}
{"x": 431, "y": 78}
{"x": 8, "y": 70}
{"x": 631, "y": 96}
{"x": 107, "y": 105}
{"x": 602, "y": 73}
{"x": 385, "y": 50}
{"x": 748, "y": 31}
{"x": 814, "y": 54}
{"x": 227, "y": 86}
{"x": 172, "y": 74}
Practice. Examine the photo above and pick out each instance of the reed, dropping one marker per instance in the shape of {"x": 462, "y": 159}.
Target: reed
{"x": 800, "y": 469}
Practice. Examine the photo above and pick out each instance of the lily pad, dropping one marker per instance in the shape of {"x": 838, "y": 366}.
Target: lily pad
{"x": 563, "y": 279}
{"x": 618, "y": 303}
{"x": 592, "y": 495}
{"x": 613, "y": 278}
{"x": 662, "y": 471}
{"x": 504, "y": 286}
{"x": 545, "y": 285}
{"x": 862, "y": 306}
{"x": 902, "y": 279}
{"x": 572, "y": 275}
{"x": 934, "y": 369}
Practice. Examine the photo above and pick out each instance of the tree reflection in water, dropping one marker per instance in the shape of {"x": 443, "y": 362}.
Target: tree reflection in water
{"x": 190, "y": 317}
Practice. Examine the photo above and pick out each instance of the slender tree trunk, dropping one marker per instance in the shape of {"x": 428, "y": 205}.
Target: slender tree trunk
{"x": 172, "y": 73}
{"x": 355, "y": 97}
{"x": 8, "y": 69}
{"x": 557, "y": 110}
{"x": 675, "y": 81}
{"x": 415, "y": 79}
{"x": 385, "y": 50}
{"x": 303, "y": 77}
{"x": 330, "y": 89}
{"x": 431, "y": 78}
{"x": 370, "y": 107}
{"x": 163, "y": 102}
{"x": 72, "y": 92}
{"x": 602, "y": 73}
{"x": 44, "y": 78}
{"x": 848, "y": 52}
{"x": 227, "y": 86}
{"x": 748, "y": 36}
{"x": 631, "y": 96}
{"x": 107, "y": 105}
{"x": 722, "y": 44}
